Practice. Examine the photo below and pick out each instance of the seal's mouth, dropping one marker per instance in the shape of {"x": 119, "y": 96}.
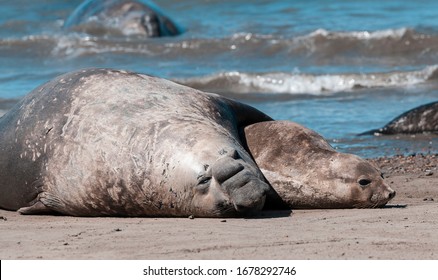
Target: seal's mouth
{"x": 388, "y": 197}
{"x": 234, "y": 210}
{"x": 226, "y": 209}
{"x": 377, "y": 200}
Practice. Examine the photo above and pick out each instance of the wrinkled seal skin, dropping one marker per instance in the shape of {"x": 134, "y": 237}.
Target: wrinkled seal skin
{"x": 307, "y": 172}
{"x": 128, "y": 17}
{"x": 101, "y": 142}
{"x": 422, "y": 119}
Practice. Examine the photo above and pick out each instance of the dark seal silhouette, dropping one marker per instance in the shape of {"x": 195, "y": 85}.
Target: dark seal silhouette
{"x": 422, "y": 119}
{"x": 124, "y": 17}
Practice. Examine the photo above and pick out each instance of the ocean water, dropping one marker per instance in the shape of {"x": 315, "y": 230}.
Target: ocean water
{"x": 337, "y": 67}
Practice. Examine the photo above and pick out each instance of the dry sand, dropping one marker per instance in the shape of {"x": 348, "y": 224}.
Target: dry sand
{"x": 406, "y": 229}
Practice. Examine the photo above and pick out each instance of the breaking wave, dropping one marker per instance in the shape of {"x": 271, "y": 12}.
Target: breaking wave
{"x": 290, "y": 83}
{"x": 321, "y": 43}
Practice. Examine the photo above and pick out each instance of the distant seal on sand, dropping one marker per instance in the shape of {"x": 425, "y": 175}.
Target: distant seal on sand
{"x": 102, "y": 142}
{"x": 128, "y": 17}
{"x": 422, "y": 119}
{"x": 307, "y": 172}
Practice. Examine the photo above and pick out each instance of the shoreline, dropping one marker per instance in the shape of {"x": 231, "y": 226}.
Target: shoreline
{"x": 400, "y": 164}
{"x": 405, "y": 229}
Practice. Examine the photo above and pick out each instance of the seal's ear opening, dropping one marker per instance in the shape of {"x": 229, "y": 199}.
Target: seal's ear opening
{"x": 233, "y": 154}
{"x": 205, "y": 177}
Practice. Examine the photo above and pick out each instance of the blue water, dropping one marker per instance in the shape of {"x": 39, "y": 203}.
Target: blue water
{"x": 338, "y": 67}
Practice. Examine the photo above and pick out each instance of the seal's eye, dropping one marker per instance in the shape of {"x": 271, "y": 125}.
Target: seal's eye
{"x": 364, "y": 182}
{"x": 204, "y": 180}
{"x": 203, "y": 184}
{"x": 205, "y": 177}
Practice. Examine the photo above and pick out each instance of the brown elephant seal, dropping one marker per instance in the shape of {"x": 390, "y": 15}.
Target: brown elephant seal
{"x": 102, "y": 142}
{"x": 307, "y": 172}
{"x": 421, "y": 119}
{"x": 125, "y": 17}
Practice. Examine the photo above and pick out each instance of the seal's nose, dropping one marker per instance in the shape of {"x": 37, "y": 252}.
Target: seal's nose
{"x": 251, "y": 208}
{"x": 391, "y": 194}
{"x": 225, "y": 168}
{"x": 250, "y": 198}
{"x": 240, "y": 181}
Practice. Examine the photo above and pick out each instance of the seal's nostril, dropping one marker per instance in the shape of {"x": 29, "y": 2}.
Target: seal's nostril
{"x": 392, "y": 194}
{"x": 229, "y": 153}
{"x": 234, "y": 154}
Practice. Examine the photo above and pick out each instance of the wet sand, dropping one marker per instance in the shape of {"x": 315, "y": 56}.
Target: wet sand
{"x": 405, "y": 229}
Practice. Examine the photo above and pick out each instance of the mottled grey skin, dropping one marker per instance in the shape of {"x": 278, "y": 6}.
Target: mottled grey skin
{"x": 422, "y": 119}
{"x": 102, "y": 142}
{"x": 307, "y": 172}
{"x": 127, "y": 17}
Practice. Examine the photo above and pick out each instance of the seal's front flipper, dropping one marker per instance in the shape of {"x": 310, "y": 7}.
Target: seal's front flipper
{"x": 36, "y": 209}
{"x": 44, "y": 203}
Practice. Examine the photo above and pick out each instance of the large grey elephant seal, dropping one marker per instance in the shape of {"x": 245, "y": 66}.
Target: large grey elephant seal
{"x": 101, "y": 142}
{"x": 422, "y": 119}
{"x": 127, "y": 17}
{"x": 307, "y": 172}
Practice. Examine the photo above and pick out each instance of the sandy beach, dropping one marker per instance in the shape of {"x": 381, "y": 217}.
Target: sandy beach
{"x": 405, "y": 229}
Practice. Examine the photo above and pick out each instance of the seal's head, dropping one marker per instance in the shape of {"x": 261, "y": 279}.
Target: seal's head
{"x": 308, "y": 173}
{"x": 218, "y": 178}
{"x": 122, "y": 17}
{"x": 350, "y": 181}
{"x": 230, "y": 186}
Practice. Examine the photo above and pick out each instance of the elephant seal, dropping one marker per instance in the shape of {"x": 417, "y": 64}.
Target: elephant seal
{"x": 307, "y": 172}
{"x": 126, "y": 17}
{"x": 101, "y": 142}
{"x": 422, "y": 119}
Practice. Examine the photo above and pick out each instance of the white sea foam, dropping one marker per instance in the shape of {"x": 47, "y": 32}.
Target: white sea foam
{"x": 361, "y": 35}
{"x": 290, "y": 83}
